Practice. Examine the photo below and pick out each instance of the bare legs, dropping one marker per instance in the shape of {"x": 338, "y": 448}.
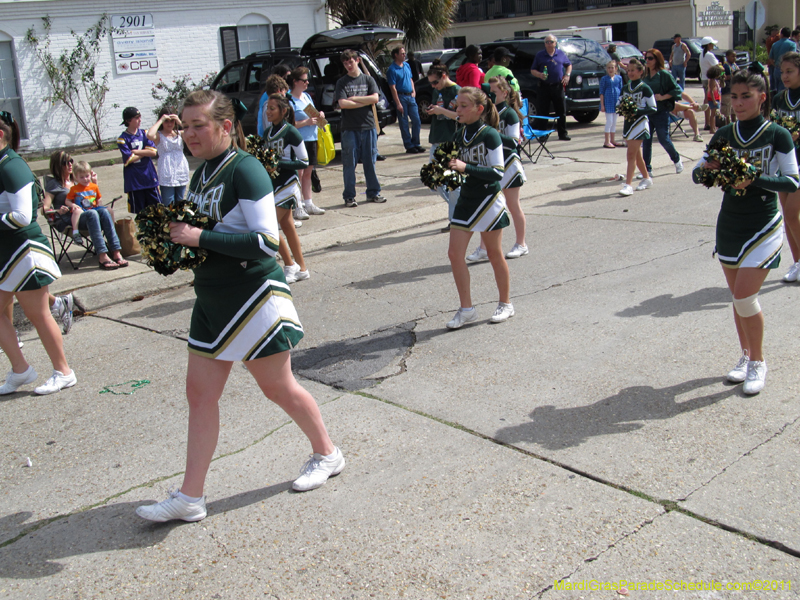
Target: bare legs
{"x": 742, "y": 284}
{"x": 205, "y": 381}
{"x": 36, "y": 305}
{"x": 515, "y": 208}
{"x": 493, "y": 241}
{"x": 790, "y": 206}
{"x": 635, "y": 160}
{"x": 286, "y": 221}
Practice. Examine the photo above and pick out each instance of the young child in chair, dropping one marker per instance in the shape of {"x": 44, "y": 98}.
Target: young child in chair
{"x": 84, "y": 195}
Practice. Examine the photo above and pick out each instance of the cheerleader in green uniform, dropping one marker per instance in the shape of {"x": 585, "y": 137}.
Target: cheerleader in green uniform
{"x": 28, "y": 268}
{"x": 749, "y": 227}
{"x": 787, "y": 104}
{"x": 636, "y": 130}
{"x": 284, "y": 137}
{"x": 243, "y": 309}
{"x": 481, "y": 206}
{"x": 508, "y": 106}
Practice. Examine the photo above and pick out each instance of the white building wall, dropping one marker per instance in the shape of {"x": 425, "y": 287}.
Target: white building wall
{"x": 187, "y": 42}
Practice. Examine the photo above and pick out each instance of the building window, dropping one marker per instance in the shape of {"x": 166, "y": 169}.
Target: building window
{"x": 253, "y": 38}
{"x": 10, "y": 99}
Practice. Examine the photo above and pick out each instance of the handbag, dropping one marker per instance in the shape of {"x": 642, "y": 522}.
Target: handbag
{"x": 325, "y": 150}
{"x": 126, "y": 232}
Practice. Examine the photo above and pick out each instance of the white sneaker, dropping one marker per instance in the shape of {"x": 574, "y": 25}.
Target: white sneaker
{"x": 290, "y": 272}
{"x": 58, "y": 381}
{"x": 679, "y": 166}
{"x": 646, "y": 183}
{"x": 739, "y": 372}
{"x": 19, "y": 341}
{"x": 16, "y": 380}
{"x": 503, "y": 312}
{"x": 313, "y": 209}
{"x": 300, "y": 213}
{"x": 756, "y": 377}
{"x": 462, "y": 316}
{"x": 302, "y": 275}
{"x": 64, "y": 315}
{"x": 698, "y": 137}
{"x": 626, "y": 190}
{"x": 702, "y": 108}
{"x": 639, "y": 176}
{"x": 794, "y": 272}
{"x": 479, "y": 254}
{"x": 173, "y": 508}
{"x": 517, "y": 251}
{"x": 298, "y": 224}
{"x": 317, "y": 469}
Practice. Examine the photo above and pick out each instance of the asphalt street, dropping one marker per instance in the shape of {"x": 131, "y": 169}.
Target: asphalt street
{"x": 589, "y": 442}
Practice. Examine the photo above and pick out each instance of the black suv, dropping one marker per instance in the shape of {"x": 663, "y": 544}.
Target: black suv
{"x": 583, "y": 92}
{"x": 693, "y": 64}
{"x": 244, "y": 78}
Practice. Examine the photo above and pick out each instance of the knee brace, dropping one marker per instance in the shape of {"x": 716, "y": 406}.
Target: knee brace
{"x": 747, "y": 307}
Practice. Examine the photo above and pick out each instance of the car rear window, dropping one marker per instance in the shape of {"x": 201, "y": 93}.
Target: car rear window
{"x": 585, "y": 55}
{"x": 628, "y": 51}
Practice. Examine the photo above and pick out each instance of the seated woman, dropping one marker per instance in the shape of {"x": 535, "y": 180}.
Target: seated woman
{"x": 97, "y": 222}
{"x": 687, "y": 108}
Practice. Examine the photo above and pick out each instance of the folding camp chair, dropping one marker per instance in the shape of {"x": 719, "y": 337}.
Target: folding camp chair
{"x": 677, "y": 125}
{"x": 539, "y": 131}
{"x": 62, "y": 241}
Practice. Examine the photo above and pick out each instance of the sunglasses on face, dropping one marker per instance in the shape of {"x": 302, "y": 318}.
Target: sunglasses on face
{"x": 549, "y": 42}
{"x": 650, "y": 57}
{"x": 66, "y": 161}
{"x": 435, "y": 81}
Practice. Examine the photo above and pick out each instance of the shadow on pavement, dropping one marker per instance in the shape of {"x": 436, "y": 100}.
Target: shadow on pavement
{"x": 667, "y": 305}
{"x": 388, "y": 241}
{"x": 559, "y": 428}
{"x": 103, "y": 529}
{"x": 395, "y": 277}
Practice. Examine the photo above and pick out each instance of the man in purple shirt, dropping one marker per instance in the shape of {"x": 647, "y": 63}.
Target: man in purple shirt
{"x": 552, "y": 67}
{"x": 139, "y": 172}
{"x": 402, "y": 85}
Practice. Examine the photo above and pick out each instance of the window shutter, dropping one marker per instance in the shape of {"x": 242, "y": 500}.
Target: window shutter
{"x": 230, "y": 44}
{"x": 280, "y": 33}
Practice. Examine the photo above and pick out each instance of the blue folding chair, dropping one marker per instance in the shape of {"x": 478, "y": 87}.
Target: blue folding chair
{"x": 539, "y": 131}
{"x": 676, "y": 124}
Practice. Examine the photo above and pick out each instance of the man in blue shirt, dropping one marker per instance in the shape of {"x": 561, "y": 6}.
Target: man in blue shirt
{"x": 779, "y": 48}
{"x": 402, "y": 85}
{"x": 552, "y": 83}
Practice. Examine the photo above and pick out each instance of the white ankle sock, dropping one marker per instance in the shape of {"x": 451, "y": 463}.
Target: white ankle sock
{"x": 183, "y": 496}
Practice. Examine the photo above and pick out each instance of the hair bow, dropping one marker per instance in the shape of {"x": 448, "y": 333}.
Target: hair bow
{"x": 6, "y": 116}
{"x": 487, "y": 89}
{"x": 239, "y": 109}
{"x": 756, "y": 67}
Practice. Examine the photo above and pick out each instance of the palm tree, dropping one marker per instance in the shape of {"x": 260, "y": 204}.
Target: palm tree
{"x": 423, "y": 21}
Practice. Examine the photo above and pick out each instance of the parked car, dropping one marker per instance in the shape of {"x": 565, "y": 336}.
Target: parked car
{"x": 426, "y": 57}
{"x": 588, "y": 60}
{"x": 693, "y": 64}
{"x": 625, "y": 51}
{"x": 244, "y": 78}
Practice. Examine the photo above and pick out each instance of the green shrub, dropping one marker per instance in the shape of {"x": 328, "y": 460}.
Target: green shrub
{"x": 170, "y": 97}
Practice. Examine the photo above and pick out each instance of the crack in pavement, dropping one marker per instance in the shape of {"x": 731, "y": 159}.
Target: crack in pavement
{"x": 748, "y": 453}
{"x": 47, "y": 521}
{"x": 608, "y": 548}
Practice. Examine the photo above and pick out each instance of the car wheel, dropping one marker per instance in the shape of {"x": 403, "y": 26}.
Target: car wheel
{"x": 586, "y": 117}
{"x": 423, "y": 102}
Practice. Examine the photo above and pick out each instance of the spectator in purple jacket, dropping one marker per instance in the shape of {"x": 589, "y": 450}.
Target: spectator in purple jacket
{"x": 552, "y": 67}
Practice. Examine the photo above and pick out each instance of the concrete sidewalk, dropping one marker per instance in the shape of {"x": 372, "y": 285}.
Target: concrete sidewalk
{"x": 588, "y": 444}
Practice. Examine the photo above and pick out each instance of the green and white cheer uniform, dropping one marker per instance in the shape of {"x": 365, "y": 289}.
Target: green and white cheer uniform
{"x": 750, "y": 227}
{"x": 481, "y": 205}
{"x": 514, "y": 175}
{"x": 27, "y": 259}
{"x": 638, "y": 128}
{"x": 290, "y": 147}
{"x": 787, "y": 104}
{"x": 244, "y": 308}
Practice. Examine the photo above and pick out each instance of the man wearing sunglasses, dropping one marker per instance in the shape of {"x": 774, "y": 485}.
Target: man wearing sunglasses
{"x": 553, "y": 68}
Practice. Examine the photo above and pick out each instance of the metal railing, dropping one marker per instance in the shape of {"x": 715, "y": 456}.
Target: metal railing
{"x": 483, "y": 10}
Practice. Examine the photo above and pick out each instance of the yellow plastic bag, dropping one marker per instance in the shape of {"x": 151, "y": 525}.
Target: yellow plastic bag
{"x": 325, "y": 150}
